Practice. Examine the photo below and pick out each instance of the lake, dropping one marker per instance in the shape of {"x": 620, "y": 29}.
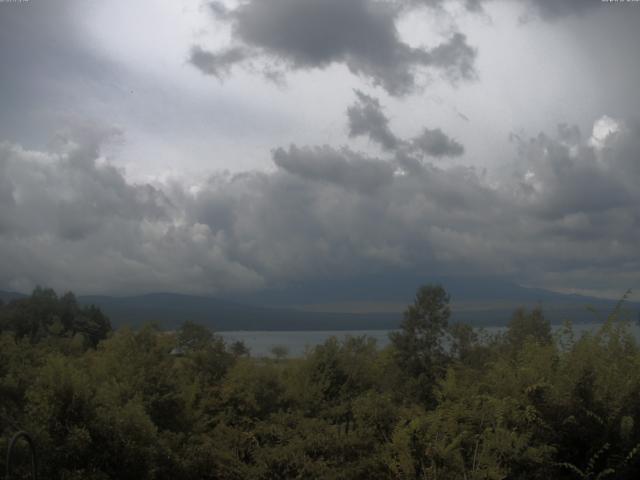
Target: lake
{"x": 261, "y": 343}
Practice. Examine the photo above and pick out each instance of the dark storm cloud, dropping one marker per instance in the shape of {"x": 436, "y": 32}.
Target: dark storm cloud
{"x": 569, "y": 205}
{"x": 362, "y": 34}
{"x": 566, "y": 211}
{"x": 366, "y": 117}
{"x": 331, "y": 212}
{"x": 312, "y": 217}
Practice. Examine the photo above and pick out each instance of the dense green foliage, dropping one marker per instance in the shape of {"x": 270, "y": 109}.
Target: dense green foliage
{"x": 44, "y": 316}
{"x": 441, "y": 402}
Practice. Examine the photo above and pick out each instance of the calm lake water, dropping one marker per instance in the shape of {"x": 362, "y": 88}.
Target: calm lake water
{"x": 261, "y": 343}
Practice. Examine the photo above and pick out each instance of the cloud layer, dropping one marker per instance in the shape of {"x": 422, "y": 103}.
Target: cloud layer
{"x": 562, "y": 211}
{"x": 565, "y": 212}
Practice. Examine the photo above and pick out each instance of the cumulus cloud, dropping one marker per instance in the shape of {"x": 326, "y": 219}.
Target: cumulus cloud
{"x": 70, "y": 220}
{"x": 603, "y": 128}
{"x": 69, "y": 195}
{"x": 566, "y": 175}
{"x": 313, "y": 34}
{"x": 567, "y": 207}
{"x": 331, "y": 212}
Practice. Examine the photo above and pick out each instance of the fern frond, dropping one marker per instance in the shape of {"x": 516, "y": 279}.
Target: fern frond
{"x": 571, "y": 467}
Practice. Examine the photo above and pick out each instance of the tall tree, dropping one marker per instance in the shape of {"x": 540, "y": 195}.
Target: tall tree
{"x": 419, "y": 348}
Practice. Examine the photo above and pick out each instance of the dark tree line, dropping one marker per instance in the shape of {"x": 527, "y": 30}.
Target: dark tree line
{"x": 442, "y": 401}
{"x": 44, "y": 314}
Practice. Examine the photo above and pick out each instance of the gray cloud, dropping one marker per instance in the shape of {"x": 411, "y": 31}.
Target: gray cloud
{"x": 345, "y": 168}
{"x": 555, "y": 9}
{"x": 564, "y": 214}
{"x": 569, "y": 206}
{"x": 366, "y": 117}
{"x": 70, "y": 220}
{"x": 69, "y": 194}
{"x": 362, "y": 34}
{"x": 331, "y": 212}
{"x": 219, "y": 10}
{"x": 218, "y": 64}
{"x": 454, "y": 57}
{"x": 567, "y": 175}
{"x": 471, "y": 5}
{"x": 549, "y": 10}
{"x": 436, "y": 144}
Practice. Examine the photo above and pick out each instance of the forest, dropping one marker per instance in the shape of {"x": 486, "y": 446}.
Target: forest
{"x": 442, "y": 401}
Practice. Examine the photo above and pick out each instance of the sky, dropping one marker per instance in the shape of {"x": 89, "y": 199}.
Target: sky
{"x": 219, "y": 147}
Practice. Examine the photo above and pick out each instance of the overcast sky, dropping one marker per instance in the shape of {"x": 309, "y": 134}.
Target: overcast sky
{"x": 222, "y": 147}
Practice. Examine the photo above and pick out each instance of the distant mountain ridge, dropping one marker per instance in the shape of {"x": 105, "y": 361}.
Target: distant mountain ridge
{"x": 6, "y": 296}
{"x": 401, "y": 287}
{"x": 488, "y": 302}
{"x": 170, "y": 310}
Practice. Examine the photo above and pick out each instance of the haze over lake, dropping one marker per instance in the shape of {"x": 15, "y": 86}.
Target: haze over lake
{"x": 297, "y": 343}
